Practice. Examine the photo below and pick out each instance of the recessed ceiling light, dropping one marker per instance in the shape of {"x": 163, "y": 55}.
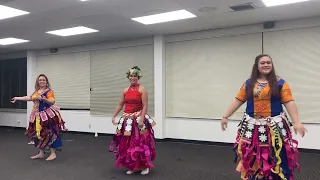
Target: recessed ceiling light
{"x": 8, "y": 12}
{"x": 164, "y": 17}
{"x": 84, "y": 0}
{"x": 72, "y": 31}
{"x": 9, "y": 41}
{"x": 269, "y": 3}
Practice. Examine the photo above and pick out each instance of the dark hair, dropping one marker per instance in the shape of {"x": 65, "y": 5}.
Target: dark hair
{"x": 272, "y": 77}
{"x": 36, "y": 85}
{"x": 136, "y": 67}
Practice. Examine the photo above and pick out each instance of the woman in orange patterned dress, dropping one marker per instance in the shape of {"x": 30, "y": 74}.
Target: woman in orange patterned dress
{"x": 264, "y": 145}
{"x": 45, "y": 122}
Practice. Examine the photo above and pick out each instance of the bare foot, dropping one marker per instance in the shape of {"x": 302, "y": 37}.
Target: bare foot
{"x": 51, "y": 157}
{"x": 38, "y": 156}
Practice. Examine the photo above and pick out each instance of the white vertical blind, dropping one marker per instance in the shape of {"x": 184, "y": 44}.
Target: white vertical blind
{"x": 108, "y": 76}
{"x": 69, "y": 76}
{"x": 296, "y": 55}
{"x": 203, "y": 76}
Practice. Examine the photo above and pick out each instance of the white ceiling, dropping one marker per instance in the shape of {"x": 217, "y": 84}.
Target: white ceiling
{"x": 112, "y": 19}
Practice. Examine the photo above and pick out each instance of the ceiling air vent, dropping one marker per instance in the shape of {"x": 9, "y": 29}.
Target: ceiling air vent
{"x": 243, "y": 7}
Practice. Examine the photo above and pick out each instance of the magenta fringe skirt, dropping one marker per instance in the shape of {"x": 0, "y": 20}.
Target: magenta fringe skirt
{"x": 134, "y": 147}
{"x": 265, "y": 149}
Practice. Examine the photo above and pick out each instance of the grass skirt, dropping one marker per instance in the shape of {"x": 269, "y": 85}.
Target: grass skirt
{"x": 134, "y": 147}
{"x": 44, "y": 128}
{"x": 265, "y": 149}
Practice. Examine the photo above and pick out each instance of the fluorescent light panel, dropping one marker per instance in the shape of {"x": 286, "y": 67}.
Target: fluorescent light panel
{"x": 72, "y": 31}
{"x": 9, "y": 41}
{"x": 269, "y": 3}
{"x": 8, "y": 12}
{"x": 164, "y": 17}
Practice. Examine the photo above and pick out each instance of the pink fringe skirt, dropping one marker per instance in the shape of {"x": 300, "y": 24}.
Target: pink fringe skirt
{"x": 134, "y": 147}
{"x": 265, "y": 149}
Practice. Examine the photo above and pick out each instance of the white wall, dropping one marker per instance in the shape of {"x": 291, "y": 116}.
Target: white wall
{"x": 180, "y": 128}
{"x": 15, "y": 119}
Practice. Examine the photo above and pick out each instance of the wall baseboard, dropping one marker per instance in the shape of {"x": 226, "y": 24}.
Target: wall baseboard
{"x": 172, "y": 140}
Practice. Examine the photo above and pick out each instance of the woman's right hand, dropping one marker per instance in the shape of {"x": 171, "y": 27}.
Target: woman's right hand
{"x": 224, "y": 123}
{"x": 13, "y": 100}
{"x": 40, "y": 98}
{"x": 114, "y": 121}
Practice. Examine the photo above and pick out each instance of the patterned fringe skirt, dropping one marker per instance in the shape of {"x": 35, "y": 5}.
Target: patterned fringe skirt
{"x": 265, "y": 149}
{"x": 134, "y": 147}
{"x": 45, "y": 128}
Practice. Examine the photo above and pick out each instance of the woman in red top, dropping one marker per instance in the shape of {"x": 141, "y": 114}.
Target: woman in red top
{"x": 133, "y": 143}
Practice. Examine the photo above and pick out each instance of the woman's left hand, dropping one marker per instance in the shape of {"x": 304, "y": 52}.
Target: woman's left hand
{"x": 299, "y": 128}
{"x": 140, "y": 123}
{"x": 44, "y": 98}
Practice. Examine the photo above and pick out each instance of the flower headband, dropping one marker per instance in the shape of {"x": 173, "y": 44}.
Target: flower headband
{"x": 134, "y": 71}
